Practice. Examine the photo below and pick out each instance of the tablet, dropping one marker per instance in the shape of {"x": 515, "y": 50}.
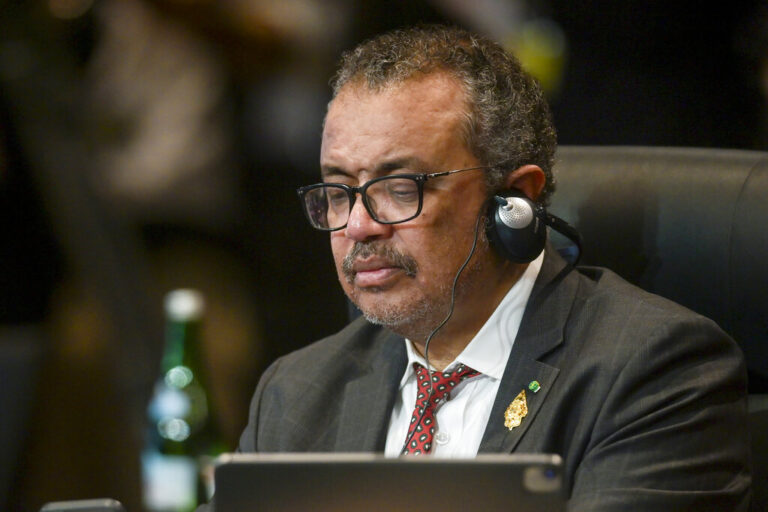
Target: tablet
{"x": 326, "y": 482}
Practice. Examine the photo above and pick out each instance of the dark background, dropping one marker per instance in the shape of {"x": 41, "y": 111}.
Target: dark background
{"x": 152, "y": 144}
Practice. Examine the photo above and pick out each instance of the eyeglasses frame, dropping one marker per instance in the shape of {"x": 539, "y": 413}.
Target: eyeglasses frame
{"x": 352, "y": 191}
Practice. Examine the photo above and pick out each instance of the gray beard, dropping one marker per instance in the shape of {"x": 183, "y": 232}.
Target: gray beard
{"x": 422, "y": 317}
{"x": 410, "y": 323}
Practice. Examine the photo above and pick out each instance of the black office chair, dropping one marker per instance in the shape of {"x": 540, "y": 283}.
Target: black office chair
{"x": 688, "y": 224}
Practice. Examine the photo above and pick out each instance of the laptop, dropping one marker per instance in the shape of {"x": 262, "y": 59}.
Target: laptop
{"x": 324, "y": 482}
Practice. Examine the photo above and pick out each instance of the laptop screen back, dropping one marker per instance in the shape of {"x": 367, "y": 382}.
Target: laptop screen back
{"x": 334, "y": 482}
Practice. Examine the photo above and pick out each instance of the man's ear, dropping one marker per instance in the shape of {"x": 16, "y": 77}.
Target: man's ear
{"x": 529, "y": 179}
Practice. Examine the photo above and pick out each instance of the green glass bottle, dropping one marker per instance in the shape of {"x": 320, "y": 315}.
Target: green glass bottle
{"x": 182, "y": 435}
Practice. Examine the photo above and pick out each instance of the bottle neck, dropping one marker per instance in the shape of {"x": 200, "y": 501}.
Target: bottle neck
{"x": 182, "y": 345}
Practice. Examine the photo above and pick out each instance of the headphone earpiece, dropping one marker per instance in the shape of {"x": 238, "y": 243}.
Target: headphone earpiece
{"x": 517, "y": 226}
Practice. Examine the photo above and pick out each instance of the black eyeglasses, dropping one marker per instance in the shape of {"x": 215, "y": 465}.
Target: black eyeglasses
{"x": 390, "y": 199}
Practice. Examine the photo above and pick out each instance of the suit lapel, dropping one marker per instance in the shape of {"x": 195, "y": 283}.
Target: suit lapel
{"x": 541, "y": 331}
{"x": 369, "y": 397}
{"x": 497, "y": 437}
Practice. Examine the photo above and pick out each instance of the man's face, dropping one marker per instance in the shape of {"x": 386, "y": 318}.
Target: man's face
{"x": 400, "y": 275}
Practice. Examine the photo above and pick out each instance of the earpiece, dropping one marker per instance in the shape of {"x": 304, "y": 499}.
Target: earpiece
{"x": 516, "y": 226}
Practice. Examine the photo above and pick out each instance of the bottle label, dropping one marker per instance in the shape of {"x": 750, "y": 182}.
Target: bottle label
{"x": 170, "y": 481}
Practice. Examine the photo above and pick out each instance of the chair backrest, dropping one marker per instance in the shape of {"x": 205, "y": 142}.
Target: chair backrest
{"x": 687, "y": 224}
{"x": 690, "y": 225}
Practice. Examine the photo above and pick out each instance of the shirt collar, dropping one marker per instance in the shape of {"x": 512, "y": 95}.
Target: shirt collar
{"x": 489, "y": 350}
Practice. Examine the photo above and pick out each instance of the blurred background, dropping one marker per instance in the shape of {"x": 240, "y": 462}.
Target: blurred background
{"x": 147, "y": 145}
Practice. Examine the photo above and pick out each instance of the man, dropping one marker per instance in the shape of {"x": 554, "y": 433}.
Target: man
{"x": 643, "y": 399}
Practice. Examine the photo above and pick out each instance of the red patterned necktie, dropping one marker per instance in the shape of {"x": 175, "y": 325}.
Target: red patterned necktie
{"x": 423, "y": 418}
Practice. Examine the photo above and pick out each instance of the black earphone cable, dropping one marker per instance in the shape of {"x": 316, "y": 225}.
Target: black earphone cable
{"x": 440, "y": 326}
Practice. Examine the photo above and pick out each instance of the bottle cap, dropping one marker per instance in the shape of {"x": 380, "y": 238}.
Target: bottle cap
{"x": 184, "y": 304}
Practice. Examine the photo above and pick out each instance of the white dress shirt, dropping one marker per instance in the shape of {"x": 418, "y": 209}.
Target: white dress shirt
{"x": 461, "y": 420}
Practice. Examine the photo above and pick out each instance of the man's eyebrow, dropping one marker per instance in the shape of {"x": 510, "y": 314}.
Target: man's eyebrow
{"x": 332, "y": 171}
{"x": 410, "y": 163}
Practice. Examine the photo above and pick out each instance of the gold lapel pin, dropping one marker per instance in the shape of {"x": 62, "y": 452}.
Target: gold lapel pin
{"x": 516, "y": 411}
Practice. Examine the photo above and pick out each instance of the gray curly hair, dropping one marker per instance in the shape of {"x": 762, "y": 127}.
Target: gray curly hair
{"x": 509, "y": 123}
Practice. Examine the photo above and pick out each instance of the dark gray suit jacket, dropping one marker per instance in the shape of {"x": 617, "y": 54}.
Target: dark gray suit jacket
{"x": 643, "y": 399}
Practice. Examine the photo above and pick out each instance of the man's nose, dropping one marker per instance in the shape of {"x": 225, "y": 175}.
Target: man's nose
{"x": 361, "y": 226}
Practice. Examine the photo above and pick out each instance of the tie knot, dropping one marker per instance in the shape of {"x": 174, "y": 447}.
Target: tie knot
{"x": 442, "y": 382}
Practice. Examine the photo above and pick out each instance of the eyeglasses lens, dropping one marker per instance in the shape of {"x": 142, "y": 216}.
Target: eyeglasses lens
{"x": 389, "y": 200}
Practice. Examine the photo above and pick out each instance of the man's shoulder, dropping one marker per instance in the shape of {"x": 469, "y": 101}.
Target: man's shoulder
{"x": 612, "y": 316}
{"x": 597, "y": 317}
{"x": 602, "y": 289}
{"x": 601, "y": 295}
{"x": 605, "y": 314}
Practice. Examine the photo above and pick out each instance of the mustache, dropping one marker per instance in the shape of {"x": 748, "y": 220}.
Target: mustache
{"x": 389, "y": 254}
